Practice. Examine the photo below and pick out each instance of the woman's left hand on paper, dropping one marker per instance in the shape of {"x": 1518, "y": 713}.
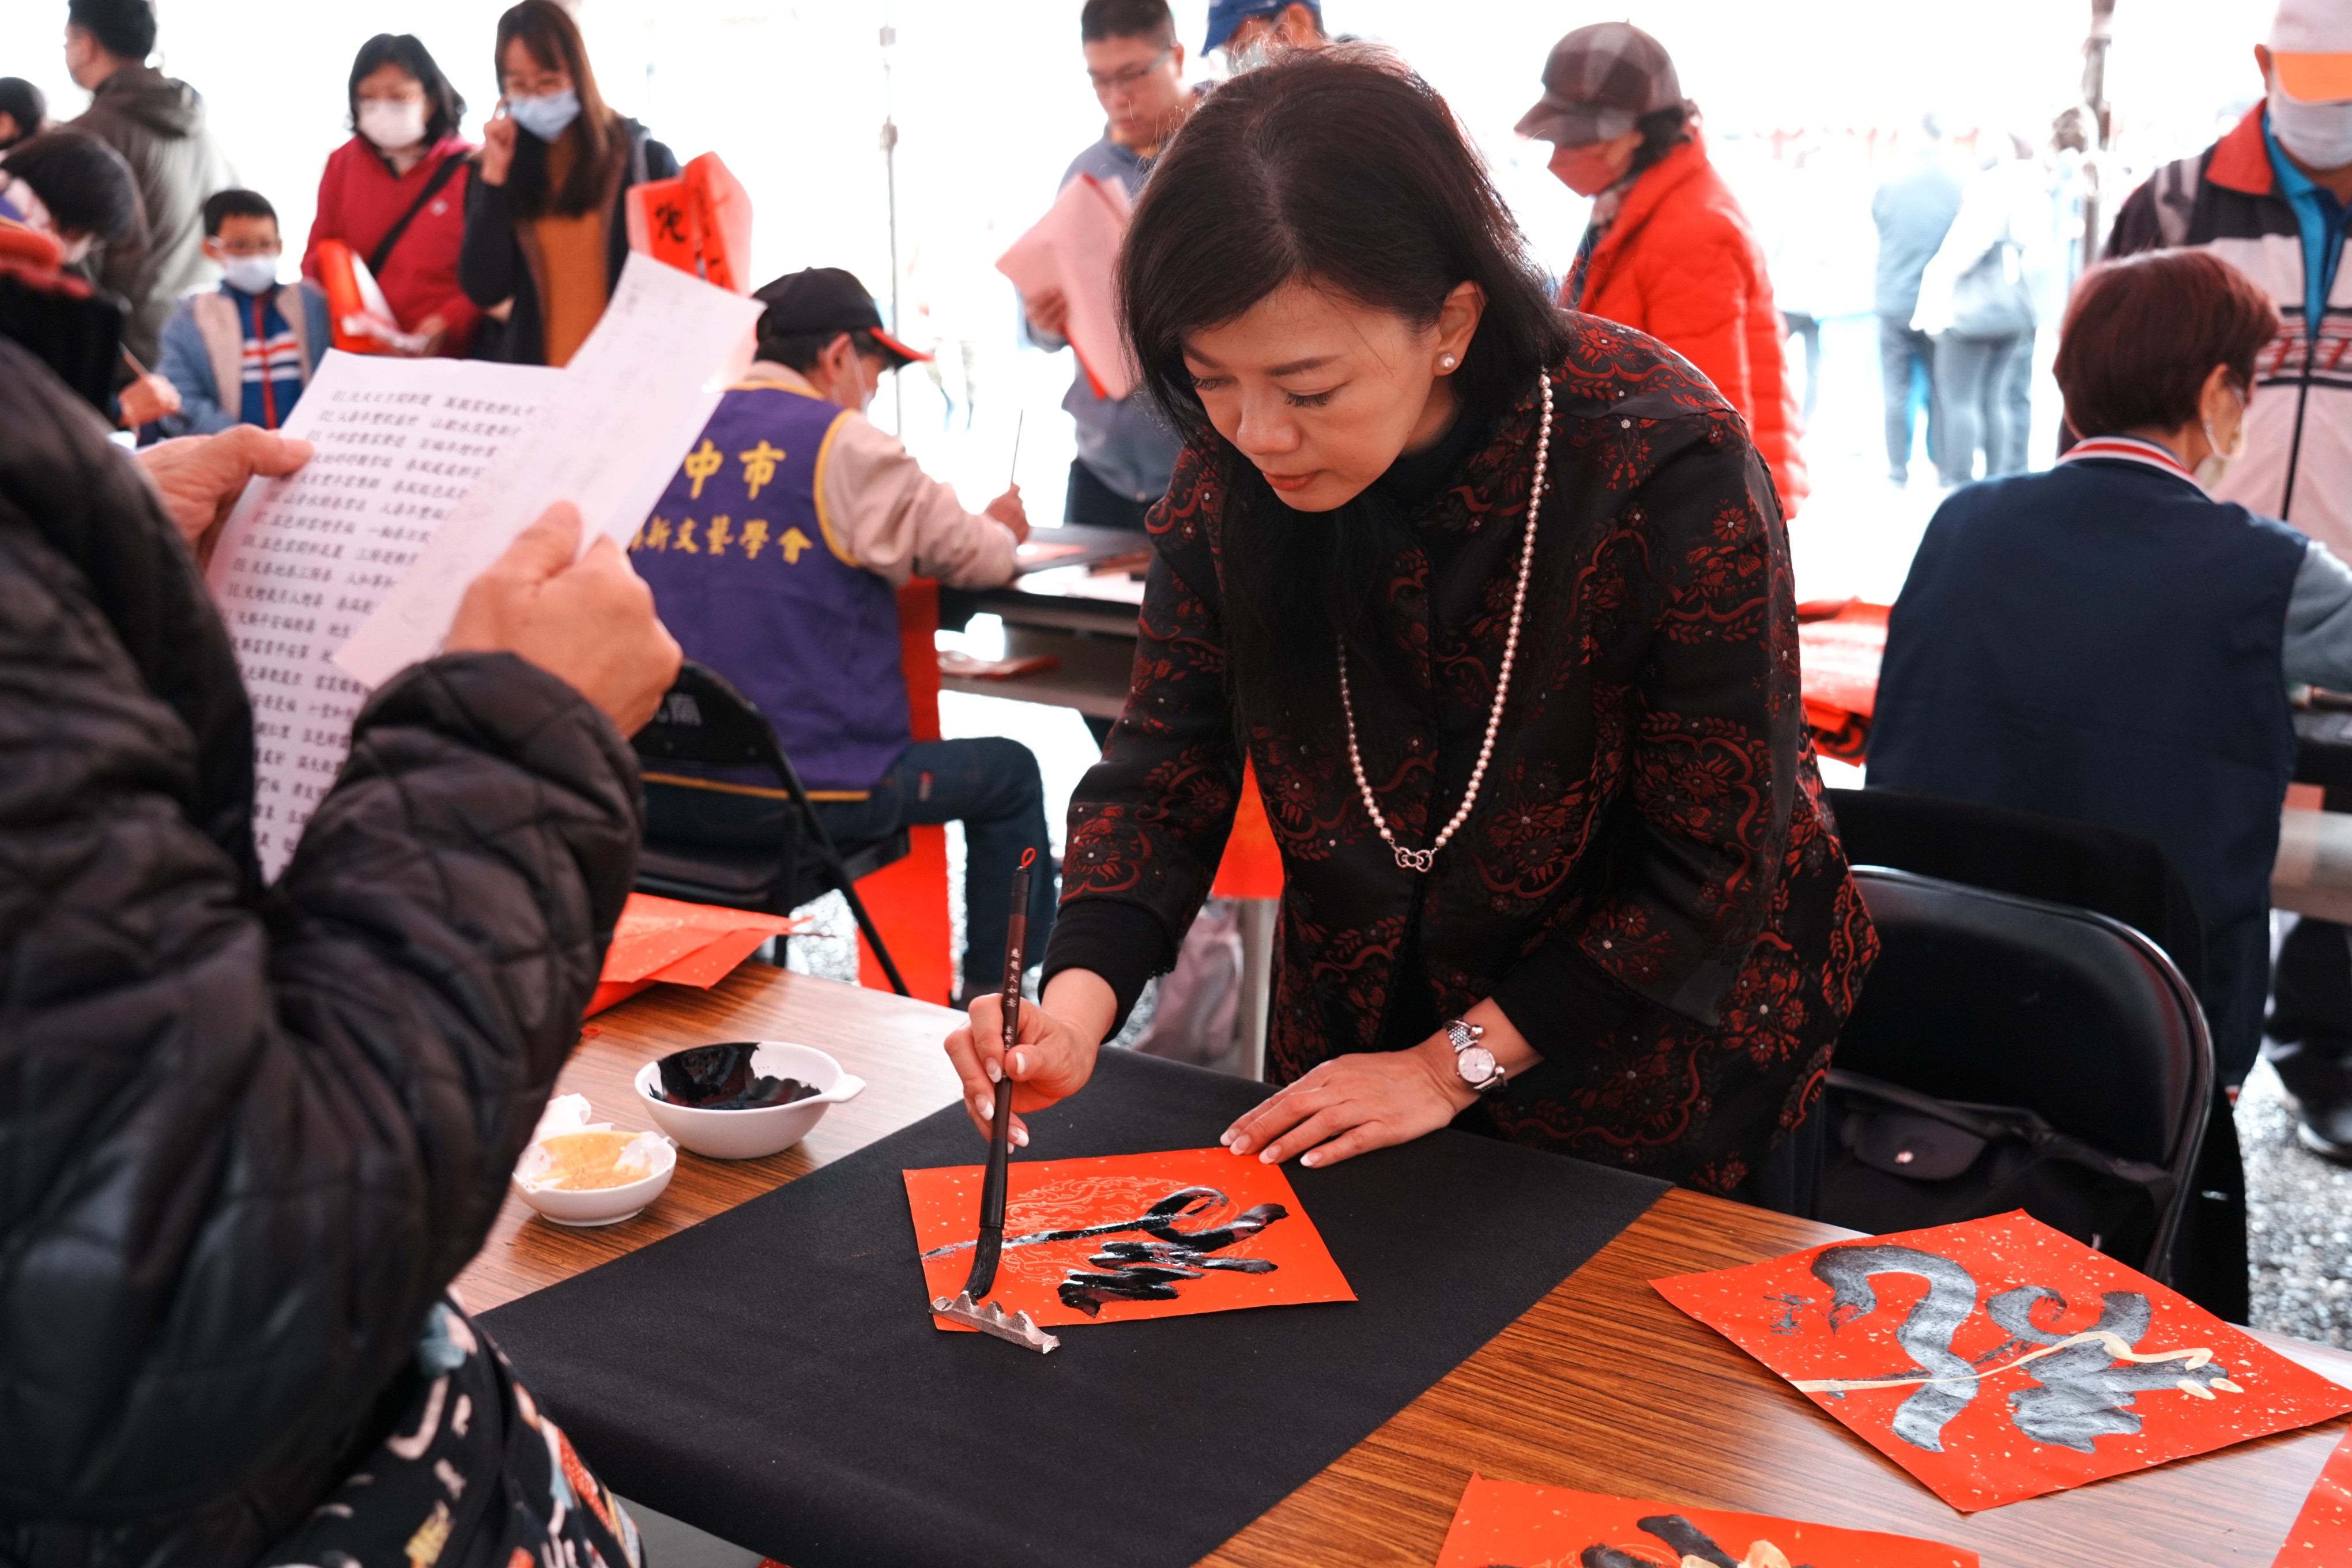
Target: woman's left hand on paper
{"x": 199, "y": 477}
{"x": 1351, "y": 1104}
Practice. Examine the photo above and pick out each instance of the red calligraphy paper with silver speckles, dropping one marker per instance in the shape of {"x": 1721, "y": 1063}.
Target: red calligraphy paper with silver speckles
{"x": 2322, "y": 1536}
{"x": 1501, "y": 1524}
{"x": 2000, "y": 1359}
{"x": 1044, "y": 1196}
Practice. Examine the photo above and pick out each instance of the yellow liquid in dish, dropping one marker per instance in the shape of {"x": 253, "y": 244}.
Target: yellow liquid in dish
{"x": 586, "y": 1161}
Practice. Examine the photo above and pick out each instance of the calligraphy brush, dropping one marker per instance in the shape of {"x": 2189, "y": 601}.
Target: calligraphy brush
{"x": 1000, "y": 1142}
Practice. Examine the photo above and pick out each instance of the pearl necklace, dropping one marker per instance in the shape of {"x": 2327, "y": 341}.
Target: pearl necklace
{"x": 1422, "y": 859}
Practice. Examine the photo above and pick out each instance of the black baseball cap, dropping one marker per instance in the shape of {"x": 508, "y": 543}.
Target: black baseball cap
{"x": 827, "y": 299}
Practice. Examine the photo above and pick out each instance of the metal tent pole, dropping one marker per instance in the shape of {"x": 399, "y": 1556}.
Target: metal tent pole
{"x": 890, "y": 180}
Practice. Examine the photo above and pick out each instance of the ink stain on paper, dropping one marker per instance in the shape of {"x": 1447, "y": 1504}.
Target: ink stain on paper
{"x": 1131, "y": 1236}
{"x": 1998, "y": 1359}
{"x": 1501, "y": 1524}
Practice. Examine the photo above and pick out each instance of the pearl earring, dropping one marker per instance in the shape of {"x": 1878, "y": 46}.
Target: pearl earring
{"x": 1445, "y": 362}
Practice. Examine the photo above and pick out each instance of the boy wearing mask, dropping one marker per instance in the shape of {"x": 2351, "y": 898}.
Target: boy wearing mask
{"x": 2270, "y": 197}
{"x": 242, "y": 353}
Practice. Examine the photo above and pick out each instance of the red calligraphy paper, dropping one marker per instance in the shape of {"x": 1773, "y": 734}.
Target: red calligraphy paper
{"x": 1197, "y": 1230}
{"x": 1501, "y": 1524}
{"x": 2000, "y": 1359}
{"x": 2322, "y": 1535}
{"x": 653, "y": 934}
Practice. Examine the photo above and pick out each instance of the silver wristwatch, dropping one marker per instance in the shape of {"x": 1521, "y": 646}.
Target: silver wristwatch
{"x": 1474, "y": 1062}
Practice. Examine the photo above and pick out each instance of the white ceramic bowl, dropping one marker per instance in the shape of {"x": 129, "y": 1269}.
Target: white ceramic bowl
{"x": 749, "y": 1135}
{"x": 597, "y": 1206}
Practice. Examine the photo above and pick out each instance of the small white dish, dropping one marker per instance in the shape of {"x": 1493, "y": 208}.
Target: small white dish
{"x": 764, "y": 1130}
{"x": 591, "y": 1207}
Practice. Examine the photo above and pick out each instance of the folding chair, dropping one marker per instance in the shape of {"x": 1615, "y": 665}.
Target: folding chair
{"x": 706, "y": 723}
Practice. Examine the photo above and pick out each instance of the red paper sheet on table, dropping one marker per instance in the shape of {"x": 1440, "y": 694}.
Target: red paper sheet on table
{"x": 654, "y": 934}
{"x": 2322, "y": 1535}
{"x": 1074, "y": 249}
{"x": 1232, "y": 1221}
{"x": 1502, "y": 1524}
{"x": 2000, "y": 1359}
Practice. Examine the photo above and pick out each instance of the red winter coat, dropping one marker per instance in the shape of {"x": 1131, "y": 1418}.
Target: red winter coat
{"x": 359, "y": 200}
{"x": 1682, "y": 265}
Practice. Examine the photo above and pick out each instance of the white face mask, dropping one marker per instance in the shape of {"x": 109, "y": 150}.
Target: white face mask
{"x": 2318, "y": 134}
{"x": 546, "y": 117}
{"x": 392, "y": 124}
{"x": 251, "y": 274}
{"x": 2210, "y": 471}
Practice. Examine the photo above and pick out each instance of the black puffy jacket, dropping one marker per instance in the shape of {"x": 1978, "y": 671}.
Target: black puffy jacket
{"x": 248, "y": 1136}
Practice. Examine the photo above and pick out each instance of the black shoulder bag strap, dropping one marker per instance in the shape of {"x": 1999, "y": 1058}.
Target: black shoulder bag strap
{"x": 441, "y": 176}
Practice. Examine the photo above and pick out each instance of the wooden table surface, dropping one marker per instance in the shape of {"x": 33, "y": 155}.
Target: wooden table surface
{"x": 1603, "y": 1385}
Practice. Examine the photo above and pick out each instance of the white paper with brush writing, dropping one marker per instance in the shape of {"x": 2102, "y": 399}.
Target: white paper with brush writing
{"x": 607, "y": 437}
{"x": 303, "y": 560}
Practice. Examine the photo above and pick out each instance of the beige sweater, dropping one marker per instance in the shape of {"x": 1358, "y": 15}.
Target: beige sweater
{"x": 892, "y": 517}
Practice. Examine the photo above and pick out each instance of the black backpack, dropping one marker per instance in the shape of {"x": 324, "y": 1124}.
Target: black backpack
{"x": 1895, "y": 1158}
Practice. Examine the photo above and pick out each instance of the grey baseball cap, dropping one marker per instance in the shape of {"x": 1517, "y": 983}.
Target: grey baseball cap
{"x": 1600, "y": 80}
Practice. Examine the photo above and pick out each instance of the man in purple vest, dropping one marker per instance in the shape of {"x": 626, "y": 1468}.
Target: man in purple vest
{"x": 776, "y": 555}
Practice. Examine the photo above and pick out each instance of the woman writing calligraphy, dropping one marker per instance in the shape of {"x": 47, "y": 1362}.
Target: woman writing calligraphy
{"x": 1499, "y": 601}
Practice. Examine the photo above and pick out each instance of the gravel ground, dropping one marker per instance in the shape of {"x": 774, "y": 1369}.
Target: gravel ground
{"x": 2299, "y": 1222}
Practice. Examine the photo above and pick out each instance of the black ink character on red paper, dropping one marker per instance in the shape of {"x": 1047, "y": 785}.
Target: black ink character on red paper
{"x": 1152, "y": 1271}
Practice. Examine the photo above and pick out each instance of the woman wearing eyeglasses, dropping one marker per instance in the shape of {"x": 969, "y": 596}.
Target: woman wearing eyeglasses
{"x": 1137, "y": 67}
{"x": 546, "y": 217}
{"x": 1498, "y": 602}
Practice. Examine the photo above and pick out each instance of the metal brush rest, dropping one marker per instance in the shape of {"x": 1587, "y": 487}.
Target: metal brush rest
{"x": 991, "y": 1319}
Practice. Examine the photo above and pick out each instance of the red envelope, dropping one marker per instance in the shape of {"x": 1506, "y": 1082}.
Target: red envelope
{"x": 2322, "y": 1536}
{"x": 1501, "y": 1524}
{"x": 2000, "y": 1359}
{"x": 1128, "y": 1236}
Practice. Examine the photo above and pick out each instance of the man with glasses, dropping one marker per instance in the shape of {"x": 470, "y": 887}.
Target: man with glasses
{"x": 1125, "y": 453}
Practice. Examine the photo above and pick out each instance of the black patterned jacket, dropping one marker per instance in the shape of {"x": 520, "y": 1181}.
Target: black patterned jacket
{"x": 1650, "y": 886}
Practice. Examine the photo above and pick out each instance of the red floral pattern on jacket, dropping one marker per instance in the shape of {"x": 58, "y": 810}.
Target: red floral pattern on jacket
{"x": 1652, "y": 812}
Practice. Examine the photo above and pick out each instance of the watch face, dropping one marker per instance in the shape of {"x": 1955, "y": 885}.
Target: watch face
{"x": 1476, "y": 1065}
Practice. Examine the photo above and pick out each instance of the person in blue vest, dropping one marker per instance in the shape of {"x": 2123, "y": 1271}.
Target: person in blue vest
{"x": 2104, "y": 641}
{"x": 774, "y": 556}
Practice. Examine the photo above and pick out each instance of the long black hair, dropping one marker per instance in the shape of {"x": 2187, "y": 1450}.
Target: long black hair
{"x": 444, "y": 108}
{"x": 1343, "y": 168}
{"x": 547, "y": 30}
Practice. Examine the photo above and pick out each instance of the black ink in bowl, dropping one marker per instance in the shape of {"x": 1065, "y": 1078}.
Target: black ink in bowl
{"x": 721, "y": 1077}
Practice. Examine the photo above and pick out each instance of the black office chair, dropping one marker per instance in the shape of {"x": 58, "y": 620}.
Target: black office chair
{"x": 706, "y": 723}
{"x": 1982, "y": 1000}
{"x": 2123, "y": 876}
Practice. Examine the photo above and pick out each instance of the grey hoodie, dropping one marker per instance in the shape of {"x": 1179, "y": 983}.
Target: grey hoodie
{"x": 157, "y": 123}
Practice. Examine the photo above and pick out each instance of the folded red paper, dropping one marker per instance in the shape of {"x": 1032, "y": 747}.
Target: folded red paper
{"x": 1501, "y": 1524}
{"x": 1998, "y": 1359}
{"x": 681, "y": 943}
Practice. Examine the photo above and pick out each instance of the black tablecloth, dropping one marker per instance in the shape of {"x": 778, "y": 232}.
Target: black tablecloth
{"x": 772, "y": 1375}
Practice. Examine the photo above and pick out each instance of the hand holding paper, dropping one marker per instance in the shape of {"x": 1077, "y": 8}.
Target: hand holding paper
{"x": 200, "y": 477}
{"x": 587, "y": 620}
{"x": 607, "y": 437}
{"x": 1066, "y": 265}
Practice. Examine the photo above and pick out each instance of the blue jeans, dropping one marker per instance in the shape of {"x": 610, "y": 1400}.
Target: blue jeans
{"x": 991, "y": 785}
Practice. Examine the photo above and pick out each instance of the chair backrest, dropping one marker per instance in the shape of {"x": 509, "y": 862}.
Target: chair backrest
{"x": 1986, "y": 998}
{"x": 706, "y": 722}
{"x": 2123, "y": 876}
